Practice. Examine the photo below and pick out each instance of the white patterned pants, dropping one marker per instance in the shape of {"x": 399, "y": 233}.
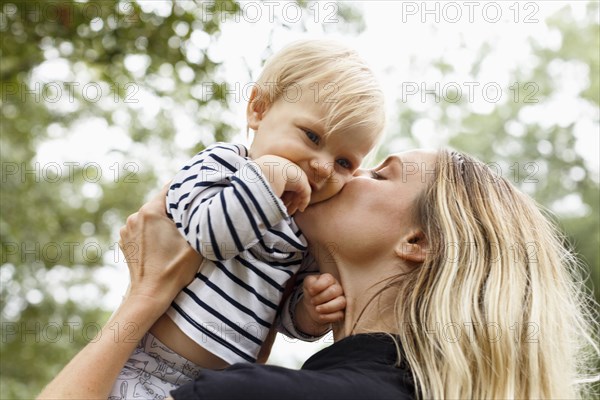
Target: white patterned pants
{"x": 152, "y": 371}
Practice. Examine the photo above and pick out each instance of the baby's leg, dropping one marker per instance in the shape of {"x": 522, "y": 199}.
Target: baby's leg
{"x": 152, "y": 371}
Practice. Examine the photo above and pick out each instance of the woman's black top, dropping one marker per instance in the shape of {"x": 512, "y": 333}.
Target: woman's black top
{"x": 357, "y": 367}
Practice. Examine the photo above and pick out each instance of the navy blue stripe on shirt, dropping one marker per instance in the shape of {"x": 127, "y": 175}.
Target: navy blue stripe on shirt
{"x": 212, "y": 335}
{"x": 258, "y": 272}
{"x": 232, "y": 324}
{"x": 212, "y": 186}
{"x": 207, "y": 184}
{"x": 277, "y": 264}
{"x": 241, "y": 150}
{"x": 288, "y": 240}
{"x": 223, "y": 162}
{"x": 190, "y": 178}
{"x": 187, "y": 194}
{"x": 245, "y": 286}
{"x": 176, "y": 205}
{"x": 194, "y": 211}
{"x": 248, "y": 213}
{"x": 282, "y": 265}
{"x": 228, "y": 149}
{"x": 232, "y": 301}
{"x": 213, "y": 241}
{"x": 234, "y": 235}
{"x": 254, "y": 201}
{"x": 203, "y": 167}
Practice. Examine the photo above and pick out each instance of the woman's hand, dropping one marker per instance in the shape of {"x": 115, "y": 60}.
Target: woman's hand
{"x": 160, "y": 264}
{"x": 160, "y": 261}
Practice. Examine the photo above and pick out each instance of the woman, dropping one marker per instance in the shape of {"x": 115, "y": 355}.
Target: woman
{"x": 456, "y": 286}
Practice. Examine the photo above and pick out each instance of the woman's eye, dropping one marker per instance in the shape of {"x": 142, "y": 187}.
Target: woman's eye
{"x": 313, "y": 137}
{"x": 344, "y": 163}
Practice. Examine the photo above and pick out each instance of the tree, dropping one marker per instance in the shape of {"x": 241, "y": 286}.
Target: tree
{"x": 140, "y": 80}
{"x": 139, "y": 73}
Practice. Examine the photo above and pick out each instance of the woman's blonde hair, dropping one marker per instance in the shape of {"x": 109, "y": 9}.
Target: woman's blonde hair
{"x": 330, "y": 73}
{"x": 499, "y": 308}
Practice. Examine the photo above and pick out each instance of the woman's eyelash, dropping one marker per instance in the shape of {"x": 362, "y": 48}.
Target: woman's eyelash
{"x": 375, "y": 175}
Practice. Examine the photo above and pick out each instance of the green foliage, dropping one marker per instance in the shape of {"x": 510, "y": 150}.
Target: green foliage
{"x": 538, "y": 157}
{"x": 135, "y": 68}
{"x": 59, "y": 227}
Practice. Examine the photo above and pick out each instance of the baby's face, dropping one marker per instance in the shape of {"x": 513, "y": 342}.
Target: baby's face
{"x": 294, "y": 130}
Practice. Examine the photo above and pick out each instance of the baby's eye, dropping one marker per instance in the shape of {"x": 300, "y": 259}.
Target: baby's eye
{"x": 313, "y": 137}
{"x": 344, "y": 163}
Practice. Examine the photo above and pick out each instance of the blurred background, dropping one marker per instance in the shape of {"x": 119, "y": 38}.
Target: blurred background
{"x": 102, "y": 102}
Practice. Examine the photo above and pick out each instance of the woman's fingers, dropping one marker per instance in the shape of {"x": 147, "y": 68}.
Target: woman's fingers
{"x": 125, "y": 231}
{"x": 156, "y": 205}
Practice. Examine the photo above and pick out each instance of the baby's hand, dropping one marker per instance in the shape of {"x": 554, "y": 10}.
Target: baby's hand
{"x": 323, "y": 301}
{"x": 288, "y": 181}
{"x": 297, "y": 190}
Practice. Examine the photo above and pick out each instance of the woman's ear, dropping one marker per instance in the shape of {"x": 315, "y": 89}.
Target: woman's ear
{"x": 255, "y": 109}
{"x": 413, "y": 247}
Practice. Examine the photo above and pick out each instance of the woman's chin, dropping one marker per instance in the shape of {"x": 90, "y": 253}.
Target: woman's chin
{"x": 303, "y": 219}
{"x": 301, "y": 215}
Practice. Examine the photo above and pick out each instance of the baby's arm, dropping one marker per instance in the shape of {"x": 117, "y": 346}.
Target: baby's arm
{"x": 223, "y": 203}
{"x": 300, "y": 316}
{"x": 287, "y": 180}
{"x": 323, "y": 303}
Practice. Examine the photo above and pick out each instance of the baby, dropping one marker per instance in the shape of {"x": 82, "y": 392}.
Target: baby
{"x": 316, "y": 111}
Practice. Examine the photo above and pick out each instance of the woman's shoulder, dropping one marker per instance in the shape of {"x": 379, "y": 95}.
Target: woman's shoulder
{"x": 357, "y": 367}
{"x": 379, "y": 348}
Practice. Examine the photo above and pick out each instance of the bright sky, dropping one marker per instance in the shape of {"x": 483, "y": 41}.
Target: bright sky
{"x": 399, "y": 47}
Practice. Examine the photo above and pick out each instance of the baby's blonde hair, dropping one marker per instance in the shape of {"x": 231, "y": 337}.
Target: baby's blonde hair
{"x": 499, "y": 308}
{"x": 331, "y": 73}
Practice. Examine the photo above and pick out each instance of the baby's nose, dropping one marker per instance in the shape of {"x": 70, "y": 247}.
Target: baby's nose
{"x": 322, "y": 168}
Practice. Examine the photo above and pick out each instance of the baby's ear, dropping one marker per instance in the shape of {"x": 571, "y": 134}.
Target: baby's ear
{"x": 256, "y": 108}
{"x": 413, "y": 247}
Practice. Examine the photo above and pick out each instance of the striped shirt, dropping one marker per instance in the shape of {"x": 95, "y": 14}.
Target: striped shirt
{"x": 225, "y": 208}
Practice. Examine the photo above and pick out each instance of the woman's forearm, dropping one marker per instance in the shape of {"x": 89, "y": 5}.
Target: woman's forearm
{"x": 160, "y": 264}
{"x": 93, "y": 371}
